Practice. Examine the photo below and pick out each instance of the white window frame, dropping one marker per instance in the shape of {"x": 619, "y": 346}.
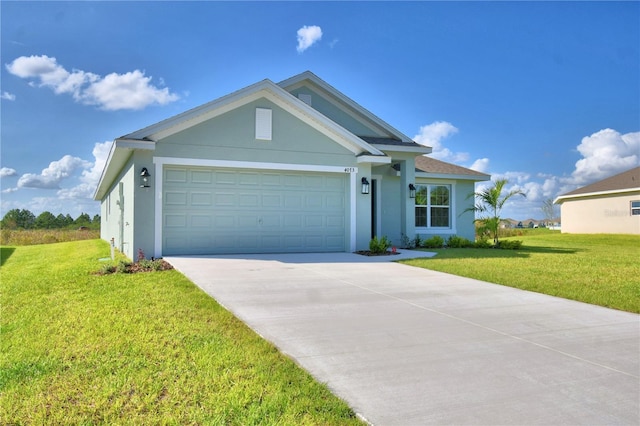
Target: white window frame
{"x": 635, "y": 210}
{"x": 452, "y": 224}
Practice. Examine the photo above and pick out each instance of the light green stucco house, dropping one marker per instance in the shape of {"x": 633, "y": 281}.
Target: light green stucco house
{"x": 290, "y": 167}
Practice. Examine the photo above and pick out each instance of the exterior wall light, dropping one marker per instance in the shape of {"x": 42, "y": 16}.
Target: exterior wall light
{"x": 145, "y": 178}
{"x": 412, "y": 191}
{"x": 365, "y": 185}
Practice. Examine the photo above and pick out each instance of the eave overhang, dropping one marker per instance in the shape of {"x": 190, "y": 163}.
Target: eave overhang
{"x": 474, "y": 178}
{"x": 120, "y": 152}
{"x": 562, "y": 198}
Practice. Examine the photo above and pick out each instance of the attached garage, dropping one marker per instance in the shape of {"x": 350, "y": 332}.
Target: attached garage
{"x": 208, "y": 210}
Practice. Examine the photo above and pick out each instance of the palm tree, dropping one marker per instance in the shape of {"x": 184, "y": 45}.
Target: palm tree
{"x": 489, "y": 203}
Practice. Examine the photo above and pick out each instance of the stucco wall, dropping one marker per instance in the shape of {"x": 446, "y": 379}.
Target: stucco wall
{"x": 461, "y": 223}
{"x": 336, "y": 114}
{"x": 117, "y": 212}
{"x": 231, "y": 136}
{"x": 600, "y": 215}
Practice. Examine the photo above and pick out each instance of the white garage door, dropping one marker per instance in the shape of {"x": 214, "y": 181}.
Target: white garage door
{"x": 215, "y": 211}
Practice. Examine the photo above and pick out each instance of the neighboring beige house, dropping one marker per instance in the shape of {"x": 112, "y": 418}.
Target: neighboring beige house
{"x": 610, "y": 206}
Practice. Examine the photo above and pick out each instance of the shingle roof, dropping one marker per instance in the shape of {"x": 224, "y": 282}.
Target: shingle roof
{"x": 431, "y": 165}
{"x": 622, "y": 181}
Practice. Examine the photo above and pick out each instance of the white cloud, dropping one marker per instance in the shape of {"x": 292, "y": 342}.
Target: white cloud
{"x": 432, "y": 136}
{"x": 480, "y": 165}
{"x": 90, "y": 176}
{"x": 8, "y": 96}
{"x": 606, "y": 153}
{"x": 6, "y": 171}
{"x": 51, "y": 177}
{"x": 126, "y": 91}
{"x": 307, "y": 36}
{"x": 131, "y": 90}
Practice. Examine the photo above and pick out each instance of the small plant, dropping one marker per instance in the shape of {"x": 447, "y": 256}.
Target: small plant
{"x": 123, "y": 267}
{"x": 434, "y": 242}
{"x": 107, "y": 269}
{"x": 141, "y": 255}
{"x": 145, "y": 263}
{"x": 509, "y": 244}
{"x": 455, "y": 241}
{"x": 482, "y": 243}
{"x": 405, "y": 242}
{"x": 379, "y": 245}
{"x": 417, "y": 241}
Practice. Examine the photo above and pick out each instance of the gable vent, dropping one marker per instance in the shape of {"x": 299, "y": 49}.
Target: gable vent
{"x": 263, "y": 124}
{"x": 305, "y": 98}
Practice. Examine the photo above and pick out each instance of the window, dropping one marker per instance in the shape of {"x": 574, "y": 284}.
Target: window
{"x": 263, "y": 124}
{"x": 433, "y": 206}
{"x": 635, "y": 208}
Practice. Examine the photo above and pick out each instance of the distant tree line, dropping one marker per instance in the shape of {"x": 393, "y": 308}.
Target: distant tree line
{"x": 24, "y": 219}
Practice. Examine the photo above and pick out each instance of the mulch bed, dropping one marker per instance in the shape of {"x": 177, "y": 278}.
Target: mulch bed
{"x": 134, "y": 268}
{"x": 370, "y": 253}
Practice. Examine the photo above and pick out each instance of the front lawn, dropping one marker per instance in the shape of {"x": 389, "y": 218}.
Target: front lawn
{"x": 146, "y": 348}
{"x": 598, "y": 269}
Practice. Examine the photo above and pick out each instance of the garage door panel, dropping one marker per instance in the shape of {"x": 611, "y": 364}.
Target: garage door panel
{"x": 202, "y": 177}
{"x": 201, "y": 199}
{"x": 225, "y": 178}
{"x": 335, "y": 222}
{"x": 209, "y": 211}
{"x": 176, "y": 176}
{"x": 334, "y": 202}
{"x": 248, "y": 222}
{"x": 201, "y": 221}
{"x": 222, "y": 199}
{"x": 176, "y": 198}
{"x": 249, "y": 200}
{"x": 249, "y": 179}
{"x": 271, "y": 179}
{"x": 293, "y": 181}
{"x": 175, "y": 221}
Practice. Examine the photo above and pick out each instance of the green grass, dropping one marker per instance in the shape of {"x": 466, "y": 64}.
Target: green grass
{"x": 147, "y": 348}
{"x": 598, "y": 269}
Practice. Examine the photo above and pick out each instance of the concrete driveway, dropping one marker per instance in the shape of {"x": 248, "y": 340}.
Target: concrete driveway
{"x": 409, "y": 346}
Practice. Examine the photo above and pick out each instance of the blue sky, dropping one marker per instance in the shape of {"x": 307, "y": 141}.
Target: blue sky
{"x": 546, "y": 94}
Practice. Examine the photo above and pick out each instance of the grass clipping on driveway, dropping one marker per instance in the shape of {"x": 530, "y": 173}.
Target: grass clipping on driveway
{"x": 147, "y": 348}
{"x": 598, "y": 269}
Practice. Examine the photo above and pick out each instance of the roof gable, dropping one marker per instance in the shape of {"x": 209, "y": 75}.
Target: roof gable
{"x": 622, "y": 182}
{"x": 344, "y": 103}
{"x": 263, "y": 89}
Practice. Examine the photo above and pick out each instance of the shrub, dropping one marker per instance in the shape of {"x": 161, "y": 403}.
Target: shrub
{"x": 509, "y": 244}
{"x": 107, "y": 269}
{"x": 123, "y": 267}
{"x": 379, "y": 245}
{"x": 405, "y": 242}
{"x": 458, "y": 242}
{"x": 146, "y": 263}
{"x": 417, "y": 241}
{"x": 482, "y": 243}
{"x": 434, "y": 242}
